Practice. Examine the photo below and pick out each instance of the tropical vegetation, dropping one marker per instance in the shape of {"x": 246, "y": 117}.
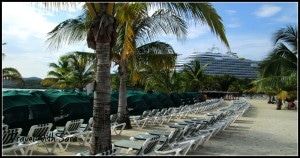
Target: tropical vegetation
{"x": 278, "y": 72}
{"x": 73, "y": 71}
{"x": 12, "y": 74}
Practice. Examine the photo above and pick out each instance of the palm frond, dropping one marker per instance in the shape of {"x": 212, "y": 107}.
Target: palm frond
{"x": 198, "y": 12}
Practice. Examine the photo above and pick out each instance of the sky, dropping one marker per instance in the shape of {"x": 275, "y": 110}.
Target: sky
{"x": 249, "y": 27}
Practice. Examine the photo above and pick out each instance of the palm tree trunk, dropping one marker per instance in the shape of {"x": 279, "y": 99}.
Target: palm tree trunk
{"x": 279, "y": 104}
{"x": 122, "y": 106}
{"x": 101, "y": 139}
{"x": 270, "y": 99}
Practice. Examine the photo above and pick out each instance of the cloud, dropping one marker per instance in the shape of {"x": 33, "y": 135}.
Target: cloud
{"x": 233, "y": 25}
{"x": 267, "y": 11}
{"x": 197, "y": 31}
{"x": 22, "y": 21}
{"x": 24, "y": 29}
{"x": 230, "y": 12}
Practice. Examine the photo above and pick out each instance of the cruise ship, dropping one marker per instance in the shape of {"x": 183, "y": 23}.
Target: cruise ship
{"x": 220, "y": 64}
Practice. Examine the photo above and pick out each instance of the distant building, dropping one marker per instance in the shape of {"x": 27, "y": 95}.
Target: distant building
{"x": 220, "y": 64}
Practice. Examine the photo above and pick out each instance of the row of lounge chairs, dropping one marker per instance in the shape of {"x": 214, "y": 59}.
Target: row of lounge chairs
{"x": 165, "y": 115}
{"x": 41, "y": 134}
{"x": 186, "y": 136}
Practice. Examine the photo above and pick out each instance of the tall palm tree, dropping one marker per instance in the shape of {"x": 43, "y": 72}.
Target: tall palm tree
{"x": 194, "y": 75}
{"x": 13, "y": 74}
{"x": 102, "y": 37}
{"x": 278, "y": 72}
{"x": 136, "y": 28}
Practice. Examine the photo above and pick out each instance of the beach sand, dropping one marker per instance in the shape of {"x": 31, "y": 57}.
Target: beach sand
{"x": 262, "y": 130}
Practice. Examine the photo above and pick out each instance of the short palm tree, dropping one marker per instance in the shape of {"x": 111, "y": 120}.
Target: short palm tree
{"x": 165, "y": 81}
{"x": 73, "y": 71}
{"x": 12, "y": 74}
{"x": 194, "y": 75}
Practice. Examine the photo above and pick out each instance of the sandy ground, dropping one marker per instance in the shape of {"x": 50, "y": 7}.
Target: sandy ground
{"x": 262, "y": 130}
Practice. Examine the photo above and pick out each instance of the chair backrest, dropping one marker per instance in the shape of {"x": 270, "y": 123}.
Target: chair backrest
{"x": 185, "y": 132}
{"x": 40, "y": 131}
{"x": 10, "y": 137}
{"x": 4, "y": 127}
{"x": 185, "y": 146}
{"x": 89, "y": 125}
{"x": 171, "y": 139}
{"x": 72, "y": 126}
{"x": 145, "y": 113}
{"x": 153, "y": 112}
{"x": 149, "y": 145}
{"x": 113, "y": 118}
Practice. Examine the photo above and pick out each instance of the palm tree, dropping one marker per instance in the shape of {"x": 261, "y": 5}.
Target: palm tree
{"x": 150, "y": 58}
{"x": 73, "y": 70}
{"x": 13, "y": 74}
{"x": 83, "y": 68}
{"x": 279, "y": 70}
{"x": 57, "y": 78}
{"x": 194, "y": 75}
{"x": 225, "y": 81}
{"x": 102, "y": 37}
{"x": 165, "y": 81}
{"x": 133, "y": 31}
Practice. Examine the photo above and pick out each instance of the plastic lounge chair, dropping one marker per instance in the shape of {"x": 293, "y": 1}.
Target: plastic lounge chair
{"x": 10, "y": 142}
{"x": 71, "y": 130}
{"x": 171, "y": 140}
{"x": 86, "y": 131}
{"x": 141, "y": 120}
{"x": 37, "y": 135}
{"x": 173, "y": 145}
{"x": 114, "y": 125}
{"x": 143, "y": 148}
{"x": 181, "y": 149}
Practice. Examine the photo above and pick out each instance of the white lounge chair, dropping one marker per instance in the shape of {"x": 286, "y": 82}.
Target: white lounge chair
{"x": 180, "y": 149}
{"x": 114, "y": 125}
{"x": 10, "y": 142}
{"x": 71, "y": 130}
{"x": 38, "y": 135}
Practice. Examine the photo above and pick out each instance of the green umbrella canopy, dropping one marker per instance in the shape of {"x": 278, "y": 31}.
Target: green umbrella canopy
{"x": 176, "y": 98}
{"x": 136, "y": 102}
{"x": 22, "y": 109}
{"x": 76, "y": 105}
{"x": 164, "y": 99}
{"x": 152, "y": 101}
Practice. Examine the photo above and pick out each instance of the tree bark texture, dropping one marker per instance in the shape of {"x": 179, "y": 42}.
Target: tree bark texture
{"x": 122, "y": 106}
{"x": 102, "y": 37}
{"x": 101, "y": 140}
